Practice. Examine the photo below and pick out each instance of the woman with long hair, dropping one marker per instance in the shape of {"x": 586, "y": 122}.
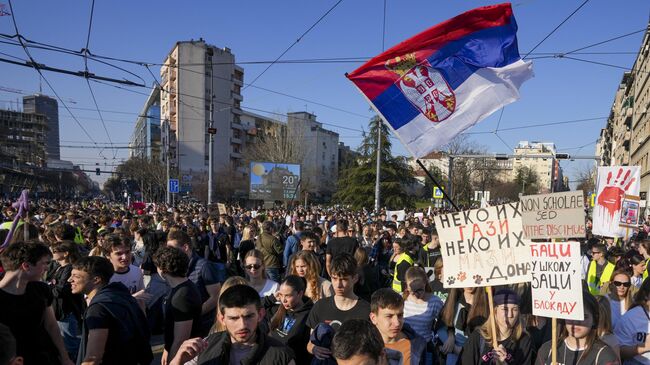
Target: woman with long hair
{"x": 247, "y": 242}
{"x": 637, "y": 265}
{"x": 514, "y": 343}
{"x": 605, "y": 326}
{"x": 579, "y": 343}
{"x": 421, "y": 306}
{"x": 289, "y": 309}
{"x": 465, "y": 310}
{"x": 305, "y": 265}
{"x": 633, "y": 329}
{"x": 256, "y": 274}
{"x": 619, "y": 293}
{"x": 68, "y": 307}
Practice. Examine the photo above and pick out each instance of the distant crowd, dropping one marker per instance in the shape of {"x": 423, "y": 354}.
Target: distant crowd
{"x": 95, "y": 282}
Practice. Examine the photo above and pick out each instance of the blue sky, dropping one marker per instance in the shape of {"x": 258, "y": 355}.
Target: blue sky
{"x": 562, "y": 89}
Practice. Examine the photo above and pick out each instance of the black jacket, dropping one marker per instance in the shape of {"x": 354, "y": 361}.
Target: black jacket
{"x": 267, "y": 351}
{"x": 298, "y": 336}
{"x": 132, "y": 326}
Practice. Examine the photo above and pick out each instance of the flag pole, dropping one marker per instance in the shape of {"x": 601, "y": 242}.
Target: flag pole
{"x": 405, "y": 145}
{"x": 444, "y": 194}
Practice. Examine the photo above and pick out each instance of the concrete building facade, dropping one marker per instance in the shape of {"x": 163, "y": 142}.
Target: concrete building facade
{"x": 624, "y": 141}
{"x": 23, "y": 137}
{"x": 320, "y": 147}
{"x": 49, "y": 107}
{"x": 192, "y": 74}
{"x": 539, "y": 157}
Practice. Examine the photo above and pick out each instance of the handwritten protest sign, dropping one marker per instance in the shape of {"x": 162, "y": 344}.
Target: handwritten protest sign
{"x": 557, "y": 215}
{"x": 484, "y": 247}
{"x": 556, "y": 286}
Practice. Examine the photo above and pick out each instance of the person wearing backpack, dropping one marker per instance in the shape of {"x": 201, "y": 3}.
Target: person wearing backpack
{"x": 292, "y": 244}
{"x": 115, "y": 330}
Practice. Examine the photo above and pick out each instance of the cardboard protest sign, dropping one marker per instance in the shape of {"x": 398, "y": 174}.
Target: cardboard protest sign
{"x": 556, "y": 285}
{"x": 614, "y": 182}
{"x": 419, "y": 216}
{"x": 401, "y": 215}
{"x": 222, "y": 208}
{"x": 484, "y": 247}
{"x": 557, "y": 215}
{"x": 630, "y": 210}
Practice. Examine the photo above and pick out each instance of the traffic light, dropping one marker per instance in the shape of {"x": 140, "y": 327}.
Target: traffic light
{"x": 97, "y": 171}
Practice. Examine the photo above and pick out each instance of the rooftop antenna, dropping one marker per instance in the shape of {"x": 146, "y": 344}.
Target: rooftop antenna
{"x": 40, "y": 84}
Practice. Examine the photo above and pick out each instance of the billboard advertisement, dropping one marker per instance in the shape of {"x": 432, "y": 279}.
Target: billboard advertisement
{"x": 274, "y": 181}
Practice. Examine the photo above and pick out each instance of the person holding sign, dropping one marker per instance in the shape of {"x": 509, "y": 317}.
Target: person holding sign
{"x": 515, "y": 345}
{"x": 600, "y": 270}
{"x": 579, "y": 343}
{"x": 464, "y": 310}
{"x": 633, "y": 329}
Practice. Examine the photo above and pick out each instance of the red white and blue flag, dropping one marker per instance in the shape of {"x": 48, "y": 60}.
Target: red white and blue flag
{"x": 435, "y": 85}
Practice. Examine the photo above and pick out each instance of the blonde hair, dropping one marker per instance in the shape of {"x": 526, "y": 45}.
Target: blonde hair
{"x": 609, "y": 289}
{"x": 486, "y": 330}
{"x": 258, "y": 255}
{"x": 311, "y": 276}
{"x": 230, "y": 282}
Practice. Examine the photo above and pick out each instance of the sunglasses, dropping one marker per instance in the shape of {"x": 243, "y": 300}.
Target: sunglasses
{"x": 625, "y": 284}
{"x": 251, "y": 267}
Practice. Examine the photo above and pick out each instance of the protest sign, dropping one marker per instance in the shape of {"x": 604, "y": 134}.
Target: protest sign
{"x": 614, "y": 182}
{"x": 630, "y": 209}
{"x": 401, "y": 215}
{"x": 557, "y": 215}
{"x": 419, "y": 216}
{"x": 484, "y": 247}
{"x": 222, "y": 208}
{"x": 556, "y": 286}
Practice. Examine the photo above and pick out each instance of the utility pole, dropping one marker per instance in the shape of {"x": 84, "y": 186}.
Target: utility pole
{"x": 166, "y": 128}
{"x": 210, "y": 152}
{"x": 378, "y": 177}
{"x": 450, "y": 176}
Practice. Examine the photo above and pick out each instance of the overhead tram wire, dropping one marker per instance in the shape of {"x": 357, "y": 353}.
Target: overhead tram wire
{"x": 44, "y": 78}
{"x": 92, "y": 93}
{"x": 294, "y": 43}
{"x": 556, "y": 28}
{"x": 496, "y": 132}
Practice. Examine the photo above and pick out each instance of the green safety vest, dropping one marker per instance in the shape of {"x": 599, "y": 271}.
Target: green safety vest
{"x": 594, "y": 282}
{"x": 397, "y": 285}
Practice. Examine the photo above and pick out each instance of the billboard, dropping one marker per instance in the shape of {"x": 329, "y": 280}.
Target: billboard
{"x": 274, "y": 181}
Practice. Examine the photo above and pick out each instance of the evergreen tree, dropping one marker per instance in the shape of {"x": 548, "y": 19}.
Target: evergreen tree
{"x": 356, "y": 186}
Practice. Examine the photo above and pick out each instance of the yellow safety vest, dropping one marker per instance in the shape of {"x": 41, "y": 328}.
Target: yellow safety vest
{"x": 645, "y": 272}
{"x": 78, "y": 236}
{"x": 594, "y": 282}
{"x": 397, "y": 285}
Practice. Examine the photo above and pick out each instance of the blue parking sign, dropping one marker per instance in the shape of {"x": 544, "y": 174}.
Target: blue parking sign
{"x": 173, "y": 185}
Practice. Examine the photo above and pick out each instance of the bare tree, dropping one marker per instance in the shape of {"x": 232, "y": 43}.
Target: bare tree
{"x": 586, "y": 177}
{"x": 276, "y": 144}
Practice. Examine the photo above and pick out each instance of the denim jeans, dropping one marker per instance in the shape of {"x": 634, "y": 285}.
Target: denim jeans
{"x": 69, "y": 328}
{"x": 274, "y": 274}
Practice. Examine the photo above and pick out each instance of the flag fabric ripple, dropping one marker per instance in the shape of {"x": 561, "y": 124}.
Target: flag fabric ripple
{"x": 438, "y": 83}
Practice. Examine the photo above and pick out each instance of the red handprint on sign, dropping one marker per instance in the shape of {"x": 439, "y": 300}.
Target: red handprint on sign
{"x": 612, "y": 195}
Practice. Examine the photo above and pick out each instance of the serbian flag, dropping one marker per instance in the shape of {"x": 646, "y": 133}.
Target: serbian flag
{"x": 435, "y": 85}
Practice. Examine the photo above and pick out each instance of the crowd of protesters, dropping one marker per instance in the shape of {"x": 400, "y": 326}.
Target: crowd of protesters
{"x": 93, "y": 282}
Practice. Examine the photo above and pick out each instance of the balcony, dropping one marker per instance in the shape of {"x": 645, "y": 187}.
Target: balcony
{"x": 234, "y": 154}
{"x": 235, "y": 140}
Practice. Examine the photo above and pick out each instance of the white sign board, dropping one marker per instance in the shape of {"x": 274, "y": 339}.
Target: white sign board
{"x": 401, "y": 215}
{"x": 614, "y": 182}
{"x": 557, "y": 215}
{"x": 556, "y": 285}
{"x": 484, "y": 247}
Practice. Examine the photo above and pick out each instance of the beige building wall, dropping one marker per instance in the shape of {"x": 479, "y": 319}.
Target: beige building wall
{"x": 542, "y": 165}
{"x": 638, "y": 111}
